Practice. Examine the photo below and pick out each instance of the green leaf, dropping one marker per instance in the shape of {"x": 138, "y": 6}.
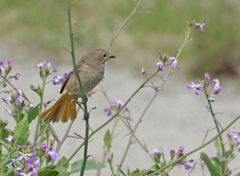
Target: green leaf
{"x": 4, "y": 134}
{"x": 37, "y": 90}
{"x": 221, "y": 158}
{"x": 62, "y": 161}
{"x": 210, "y": 166}
{"x": 238, "y": 174}
{"x": 33, "y": 114}
{"x": 21, "y": 132}
{"x": 77, "y": 166}
{"x": 217, "y": 164}
{"x": 107, "y": 139}
{"x": 5, "y": 158}
{"x": 42, "y": 75}
{"x": 62, "y": 171}
{"x": 48, "y": 172}
{"x": 218, "y": 145}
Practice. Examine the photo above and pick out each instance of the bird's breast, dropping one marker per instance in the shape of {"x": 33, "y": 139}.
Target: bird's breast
{"x": 90, "y": 77}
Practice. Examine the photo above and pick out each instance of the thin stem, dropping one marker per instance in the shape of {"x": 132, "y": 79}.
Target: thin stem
{"x": 59, "y": 144}
{"x": 122, "y": 119}
{"x": 216, "y": 124}
{"x": 134, "y": 130}
{"x": 117, "y": 113}
{"x": 41, "y": 103}
{"x": 193, "y": 151}
{"x": 145, "y": 110}
{"x": 124, "y": 23}
{"x": 86, "y": 115}
{"x": 14, "y": 87}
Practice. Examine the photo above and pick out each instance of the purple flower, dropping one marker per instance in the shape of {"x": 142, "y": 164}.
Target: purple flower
{"x": 181, "y": 149}
{"x": 44, "y": 146}
{"x": 217, "y": 91}
{"x": 1, "y": 63}
{"x": 211, "y": 98}
{"x": 217, "y": 84}
{"x": 30, "y": 106}
{"x": 196, "y": 87}
{"x": 119, "y": 104}
{"x": 24, "y": 146}
{"x": 174, "y": 62}
{"x": 202, "y": 164}
{"x": 143, "y": 71}
{"x": 65, "y": 74}
{"x": 164, "y": 77}
{"x": 2, "y": 70}
{"x": 34, "y": 172}
{"x": 160, "y": 65}
{"x": 53, "y": 153}
{"x": 154, "y": 151}
{"x": 10, "y": 62}
{"x": 9, "y": 138}
{"x": 57, "y": 80}
{"x": 199, "y": 25}
{"x": 18, "y": 91}
{"x": 109, "y": 111}
{"x": 48, "y": 69}
{"x": 24, "y": 155}
{"x": 41, "y": 64}
{"x": 157, "y": 89}
{"x": 9, "y": 111}
{"x": 207, "y": 76}
{"x": 15, "y": 76}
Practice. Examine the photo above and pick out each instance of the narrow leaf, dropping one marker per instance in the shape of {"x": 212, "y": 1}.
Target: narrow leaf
{"x": 107, "y": 139}
{"x": 210, "y": 166}
{"x": 33, "y": 114}
{"x": 21, "y": 132}
{"x": 37, "y": 90}
{"x": 218, "y": 145}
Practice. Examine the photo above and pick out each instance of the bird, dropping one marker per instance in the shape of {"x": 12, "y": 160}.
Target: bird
{"x": 91, "y": 71}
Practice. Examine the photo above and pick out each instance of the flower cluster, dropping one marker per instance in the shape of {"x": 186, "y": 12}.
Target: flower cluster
{"x": 204, "y": 84}
{"x": 118, "y": 104}
{"x": 4, "y": 71}
{"x": 5, "y": 68}
{"x": 154, "y": 152}
{"x": 60, "y": 79}
{"x": 14, "y": 99}
{"x": 179, "y": 153}
{"x": 29, "y": 158}
{"x": 234, "y": 138}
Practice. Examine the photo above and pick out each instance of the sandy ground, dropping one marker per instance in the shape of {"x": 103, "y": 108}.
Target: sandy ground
{"x": 176, "y": 118}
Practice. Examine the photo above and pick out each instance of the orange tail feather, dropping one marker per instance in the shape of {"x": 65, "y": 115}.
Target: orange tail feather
{"x": 63, "y": 109}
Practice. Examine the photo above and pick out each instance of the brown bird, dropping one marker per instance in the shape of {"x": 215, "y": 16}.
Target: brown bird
{"x": 91, "y": 71}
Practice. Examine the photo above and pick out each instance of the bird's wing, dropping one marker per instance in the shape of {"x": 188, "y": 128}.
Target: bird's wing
{"x": 66, "y": 80}
{"x": 80, "y": 64}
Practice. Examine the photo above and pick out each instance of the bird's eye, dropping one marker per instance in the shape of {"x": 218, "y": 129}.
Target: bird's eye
{"x": 104, "y": 55}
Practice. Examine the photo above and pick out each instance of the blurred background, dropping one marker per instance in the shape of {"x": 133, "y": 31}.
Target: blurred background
{"x": 33, "y": 31}
{"x": 42, "y": 25}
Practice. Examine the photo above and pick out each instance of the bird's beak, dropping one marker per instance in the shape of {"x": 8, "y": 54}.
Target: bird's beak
{"x": 112, "y": 56}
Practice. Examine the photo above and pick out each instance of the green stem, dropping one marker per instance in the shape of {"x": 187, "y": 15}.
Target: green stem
{"x": 193, "y": 151}
{"x": 86, "y": 115}
{"x": 38, "y": 122}
{"x": 103, "y": 125}
{"x": 124, "y": 23}
{"x": 216, "y": 124}
{"x": 151, "y": 101}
